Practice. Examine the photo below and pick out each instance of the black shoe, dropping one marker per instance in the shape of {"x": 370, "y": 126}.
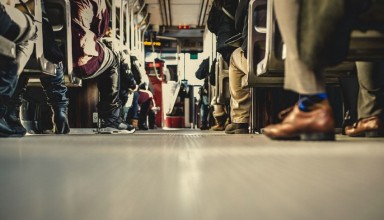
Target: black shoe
{"x": 237, "y": 128}
{"x": 13, "y": 120}
{"x": 143, "y": 127}
{"x": 115, "y": 125}
{"x": 204, "y": 126}
{"x": 8, "y": 131}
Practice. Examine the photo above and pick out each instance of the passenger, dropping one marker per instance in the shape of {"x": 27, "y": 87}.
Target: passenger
{"x": 19, "y": 28}
{"x": 203, "y": 73}
{"x": 146, "y": 102}
{"x": 141, "y": 108}
{"x": 311, "y": 118}
{"x": 93, "y": 59}
{"x": 133, "y": 112}
{"x": 54, "y": 87}
{"x": 127, "y": 80}
{"x": 221, "y": 22}
{"x": 240, "y": 97}
{"x": 370, "y": 101}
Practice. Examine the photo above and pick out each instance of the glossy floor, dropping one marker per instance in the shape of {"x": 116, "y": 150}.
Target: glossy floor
{"x": 177, "y": 175}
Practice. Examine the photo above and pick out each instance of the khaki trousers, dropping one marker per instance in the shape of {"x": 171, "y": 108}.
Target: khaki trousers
{"x": 240, "y": 97}
{"x": 298, "y": 77}
{"x": 371, "y": 89}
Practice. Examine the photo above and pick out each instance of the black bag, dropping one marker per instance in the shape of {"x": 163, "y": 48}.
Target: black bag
{"x": 51, "y": 50}
{"x": 203, "y": 70}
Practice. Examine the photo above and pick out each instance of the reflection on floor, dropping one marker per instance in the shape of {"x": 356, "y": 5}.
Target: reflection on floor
{"x": 188, "y": 174}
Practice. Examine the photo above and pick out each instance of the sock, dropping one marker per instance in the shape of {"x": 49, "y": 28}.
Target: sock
{"x": 307, "y": 101}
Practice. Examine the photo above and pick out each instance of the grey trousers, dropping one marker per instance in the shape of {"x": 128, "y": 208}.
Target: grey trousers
{"x": 240, "y": 97}
{"x": 371, "y": 89}
{"x": 298, "y": 76}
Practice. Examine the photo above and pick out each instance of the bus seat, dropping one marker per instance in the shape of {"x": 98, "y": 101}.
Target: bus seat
{"x": 221, "y": 94}
{"x": 59, "y": 15}
{"x": 38, "y": 65}
{"x": 223, "y": 81}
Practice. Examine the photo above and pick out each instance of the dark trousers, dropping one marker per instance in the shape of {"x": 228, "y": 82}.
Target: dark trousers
{"x": 54, "y": 87}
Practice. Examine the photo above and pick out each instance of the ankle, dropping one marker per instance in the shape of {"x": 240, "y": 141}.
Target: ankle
{"x": 307, "y": 102}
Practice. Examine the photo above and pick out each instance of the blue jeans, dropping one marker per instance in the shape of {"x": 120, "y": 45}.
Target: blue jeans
{"x": 53, "y": 86}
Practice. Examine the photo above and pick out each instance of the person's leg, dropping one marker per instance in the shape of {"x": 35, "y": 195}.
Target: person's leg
{"x": 204, "y": 108}
{"x": 298, "y": 76}
{"x": 8, "y": 83}
{"x": 311, "y": 118}
{"x": 143, "y": 114}
{"x": 17, "y": 26}
{"x": 370, "y": 100}
{"x": 55, "y": 89}
{"x": 133, "y": 116}
{"x": 240, "y": 97}
{"x": 220, "y": 117}
{"x": 109, "y": 107}
{"x": 371, "y": 93}
{"x": 14, "y": 88}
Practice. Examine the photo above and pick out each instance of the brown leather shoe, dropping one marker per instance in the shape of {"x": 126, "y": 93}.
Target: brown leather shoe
{"x": 316, "y": 125}
{"x": 366, "y": 127}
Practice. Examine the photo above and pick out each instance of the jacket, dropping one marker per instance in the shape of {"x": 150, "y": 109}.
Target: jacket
{"x": 90, "y": 20}
{"x": 222, "y": 25}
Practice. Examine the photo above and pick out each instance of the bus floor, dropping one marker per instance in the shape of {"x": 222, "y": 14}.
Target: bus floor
{"x": 191, "y": 175}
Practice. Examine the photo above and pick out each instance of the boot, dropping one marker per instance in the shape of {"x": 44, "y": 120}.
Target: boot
{"x": 5, "y": 129}
{"x": 204, "y": 125}
{"x": 60, "y": 120}
{"x": 220, "y": 122}
{"x": 143, "y": 125}
{"x": 12, "y": 117}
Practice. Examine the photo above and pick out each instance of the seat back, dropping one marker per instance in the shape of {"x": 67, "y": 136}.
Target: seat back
{"x": 221, "y": 94}
{"x": 38, "y": 65}
{"x": 223, "y": 81}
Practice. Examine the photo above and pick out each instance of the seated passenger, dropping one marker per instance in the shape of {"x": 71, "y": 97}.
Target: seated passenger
{"x": 19, "y": 28}
{"x": 240, "y": 97}
{"x": 93, "y": 59}
{"x": 221, "y": 23}
{"x": 54, "y": 87}
{"x": 142, "y": 105}
{"x": 370, "y": 101}
{"x": 312, "y": 117}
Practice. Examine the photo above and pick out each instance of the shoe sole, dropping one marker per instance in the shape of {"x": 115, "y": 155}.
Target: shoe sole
{"x": 109, "y": 130}
{"x": 238, "y": 131}
{"x": 11, "y": 135}
{"x": 369, "y": 134}
{"x": 317, "y": 137}
{"x": 308, "y": 137}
